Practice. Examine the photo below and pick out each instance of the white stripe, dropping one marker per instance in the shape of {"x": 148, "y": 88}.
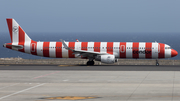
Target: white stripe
{"x": 103, "y": 47}
{"x": 129, "y": 51}
{"x": 65, "y": 51}
{"x": 142, "y": 45}
{"x": 15, "y": 32}
{"x": 90, "y": 46}
{"x": 27, "y": 47}
{"x": 27, "y": 39}
{"x": 116, "y": 49}
{"x": 40, "y": 48}
{"x": 155, "y": 50}
{"x": 167, "y": 52}
{"x": 52, "y": 49}
{"x": 27, "y": 44}
{"x": 77, "y": 47}
{"x": 21, "y": 91}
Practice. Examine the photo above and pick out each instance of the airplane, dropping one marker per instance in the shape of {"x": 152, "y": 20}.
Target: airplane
{"x": 105, "y": 52}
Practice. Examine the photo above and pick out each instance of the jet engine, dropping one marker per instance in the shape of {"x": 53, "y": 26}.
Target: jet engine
{"x": 106, "y": 59}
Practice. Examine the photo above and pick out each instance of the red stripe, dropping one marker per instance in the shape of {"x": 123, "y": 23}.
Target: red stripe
{"x": 9, "y": 22}
{"x": 8, "y": 46}
{"x": 21, "y": 38}
{"x": 122, "y": 49}
{"x": 71, "y": 45}
{"x": 110, "y": 47}
{"x": 148, "y": 49}
{"x": 33, "y": 47}
{"x": 84, "y": 45}
{"x": 97, "y": 46}
{"x": 46, "y": 49}
{"x": 21, "y": 35}
{"x": 58, "y": 49}
{"x": 161, "y": 54}
{"x": 135, "y": 50}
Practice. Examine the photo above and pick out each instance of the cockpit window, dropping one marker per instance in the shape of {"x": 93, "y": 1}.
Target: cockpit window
{"x": 167, "y": 47}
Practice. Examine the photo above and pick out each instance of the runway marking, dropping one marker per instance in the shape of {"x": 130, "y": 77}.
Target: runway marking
{"x": 65, "y": 80}
{"x": 137, "y": 86}
{"x": 46, "y": 75}
{"x": 21, "y": 91}
{"x": 9, "y": 86}
{"x": 70, "y": 98}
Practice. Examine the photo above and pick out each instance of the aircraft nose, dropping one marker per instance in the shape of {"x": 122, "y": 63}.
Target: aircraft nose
{"x": 173, "y": 53}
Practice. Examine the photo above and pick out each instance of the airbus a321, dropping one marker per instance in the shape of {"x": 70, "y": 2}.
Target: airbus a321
{"x": 106, "y": 52}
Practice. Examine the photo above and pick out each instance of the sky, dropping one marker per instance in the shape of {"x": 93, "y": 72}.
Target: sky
{"x": 94, "y": 20}
{"x": 92, "y": 16}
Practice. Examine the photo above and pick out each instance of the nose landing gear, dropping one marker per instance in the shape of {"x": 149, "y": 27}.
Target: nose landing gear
{"x": 157, "y": 63}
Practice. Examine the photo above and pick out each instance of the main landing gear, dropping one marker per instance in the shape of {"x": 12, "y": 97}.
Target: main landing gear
{"x": 157, "y": 63}
{"x": 90, "y": 63}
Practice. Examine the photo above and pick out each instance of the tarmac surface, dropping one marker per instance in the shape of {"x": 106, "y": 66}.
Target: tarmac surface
{"x": 90, "y": 83}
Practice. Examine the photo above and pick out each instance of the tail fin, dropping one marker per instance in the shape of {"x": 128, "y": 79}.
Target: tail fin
{"x": 17, "y": 34}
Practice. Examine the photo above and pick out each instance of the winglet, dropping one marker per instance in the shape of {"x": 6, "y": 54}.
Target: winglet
{"x": 77, "y": 40}
{"x": 65, "y": 46}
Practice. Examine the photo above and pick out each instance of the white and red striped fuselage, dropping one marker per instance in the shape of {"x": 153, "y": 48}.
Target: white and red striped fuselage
{"x": 106, "y": 52}
{"x": 136, "y": 50}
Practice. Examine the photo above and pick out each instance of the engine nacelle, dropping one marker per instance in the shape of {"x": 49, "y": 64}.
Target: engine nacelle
{"x": 106, "y": 59}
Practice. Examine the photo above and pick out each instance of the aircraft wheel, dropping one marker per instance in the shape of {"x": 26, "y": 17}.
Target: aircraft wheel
{"x": 87, "y": 63}
{"x": 90, "y": 63}
{"x": 157, "y": 64}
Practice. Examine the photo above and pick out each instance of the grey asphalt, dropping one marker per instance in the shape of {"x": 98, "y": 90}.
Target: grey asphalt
{"x": 92, "y": 68}
{"x": 105, "y": 83}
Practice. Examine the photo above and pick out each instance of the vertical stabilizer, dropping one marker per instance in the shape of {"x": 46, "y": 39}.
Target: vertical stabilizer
{"x": 17, "y": 34}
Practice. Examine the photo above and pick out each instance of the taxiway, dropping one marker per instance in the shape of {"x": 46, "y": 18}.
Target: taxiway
{"x": 91, "y": 83}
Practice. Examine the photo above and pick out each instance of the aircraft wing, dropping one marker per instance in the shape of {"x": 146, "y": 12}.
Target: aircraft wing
{"x": 82, "y": 52}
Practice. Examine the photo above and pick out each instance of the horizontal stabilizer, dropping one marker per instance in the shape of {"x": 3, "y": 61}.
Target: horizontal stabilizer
{"x": 14, "y": 46}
